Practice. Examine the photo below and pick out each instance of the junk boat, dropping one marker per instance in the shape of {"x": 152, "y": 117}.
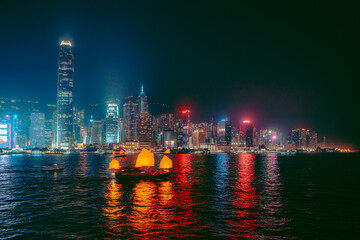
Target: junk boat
{"x": 121, "y": 153}
{"x": 141, "y": 170}
{"x": 54, "y": 168}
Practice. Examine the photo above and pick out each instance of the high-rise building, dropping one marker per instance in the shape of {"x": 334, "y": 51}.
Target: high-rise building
{"x": 144, "y": 128}
{"x": 112, "y": 124}
{"x": 247, "y": 133}
{"x": 65, "y": 116}
{"x": 48, "y": 131}
{"x": 224, "y": 132}
{"x": 112, "y": 111}
{"x": 111, "y": 130}
{"x": 169, "y": 139}
{"x": 5, "y": 134}
{"x": 143, "y": 102}
{"x": 198, "y": 137}
{"x": 183, "y": 128}
{"x": 97, "y": 132}
{"x": 313, "y": 140}
{"x": 130, "y": 119}
{"x": 37, "y": 130}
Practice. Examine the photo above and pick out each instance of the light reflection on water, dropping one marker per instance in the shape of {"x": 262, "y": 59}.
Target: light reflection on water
{"x": 215, "y": 196}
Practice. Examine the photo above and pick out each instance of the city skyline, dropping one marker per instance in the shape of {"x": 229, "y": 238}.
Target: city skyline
{"x": 291, "y": 78}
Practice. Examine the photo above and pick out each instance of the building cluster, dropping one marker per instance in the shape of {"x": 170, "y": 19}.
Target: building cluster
{"x": 23, "y": 124}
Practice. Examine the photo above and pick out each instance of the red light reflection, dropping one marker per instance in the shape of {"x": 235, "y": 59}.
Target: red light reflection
{"x": 245, "y": 198}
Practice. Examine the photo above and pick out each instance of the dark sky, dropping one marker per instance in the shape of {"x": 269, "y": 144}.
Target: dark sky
{"x": 281, "y": 63}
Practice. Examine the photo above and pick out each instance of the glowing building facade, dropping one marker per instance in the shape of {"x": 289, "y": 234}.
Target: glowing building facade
{"x": 130, "y": 118}
{"x": 65, "y": 115}
{"x": 144, "y": 118}
{"x": 37, "y": 130}
{"x": 183, "y": 129}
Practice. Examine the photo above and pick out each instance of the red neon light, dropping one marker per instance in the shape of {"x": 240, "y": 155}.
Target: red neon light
{"x": 246, "y": 121}
{"x": 184, "y": 111}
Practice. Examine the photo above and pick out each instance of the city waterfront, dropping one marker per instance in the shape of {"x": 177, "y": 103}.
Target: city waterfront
{"x": 268, "y": 196}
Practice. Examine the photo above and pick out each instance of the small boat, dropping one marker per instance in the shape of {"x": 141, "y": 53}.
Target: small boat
{"x": 120, "y": 153}
{"x": 54, "y": 168}
{"x": 144, "y": 162}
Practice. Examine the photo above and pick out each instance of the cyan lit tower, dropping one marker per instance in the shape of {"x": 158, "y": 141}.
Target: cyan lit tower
{"x": 65, "y": 115}
{"x": 112, "y": 124}
{"x": 112, "y": 111}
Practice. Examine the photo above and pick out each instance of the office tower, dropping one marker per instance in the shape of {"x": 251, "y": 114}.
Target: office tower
{"x": 112, "y": 130}
{"x": 97, "y": 132}
{"x": 224, "y": 132}
{"x": 112, "y": 124}
{"x": 183, "y": 128}
{"x": 37, "y": 130}
{"x": 144, "y": 129}
{"x": 14, "y": 130}
{"x": 5, "y": 134}
{"x": 247, "y": 133}
{"x": 48, "y": 131}
{"x": 130, "y": 119}
{"x": 112, "y": 111}
{"x": 142, "y": 100}
{"x": 79, "y": 126}
{"x": 169, "y": 139}
{"x": 313, "y": 140}
{"x": 65, "y": 116}
{"x": 198, "y": 137}
{"x": 220, "y": 132}
{"x": 121, "y": 130}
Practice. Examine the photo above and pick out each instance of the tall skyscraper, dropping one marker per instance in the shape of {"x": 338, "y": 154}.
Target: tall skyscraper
{"x": 224, "y": 132}
{"x": 65, "y": 115}
{"x": 143, "y": 102}
{"x": 112, "y": 124}
{"x": 37, "y": 130}
{"x": 247, "y": 133}
{"x": 144, "y": 118}
{"x": 130, "y": 119}
{"x": 112, "y": 111}
{"x": 183, "y": 128}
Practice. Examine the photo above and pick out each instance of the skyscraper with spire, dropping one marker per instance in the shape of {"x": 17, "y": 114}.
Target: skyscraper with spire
{"x": 145, "y": 119}
{"x": 65, "y": 115}
{"x": 143, "y": 102}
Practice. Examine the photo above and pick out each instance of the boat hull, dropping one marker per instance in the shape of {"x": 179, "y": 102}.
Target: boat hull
{"x": 160, "y": 175}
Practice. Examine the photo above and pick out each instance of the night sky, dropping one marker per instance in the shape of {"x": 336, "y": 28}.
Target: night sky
{"x": 282, "y": 64}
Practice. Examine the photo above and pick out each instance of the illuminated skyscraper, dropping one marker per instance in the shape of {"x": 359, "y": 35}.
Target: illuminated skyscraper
{"x": 130, "y": 119}
{"x": 224, "y": 132}
{"x": 247, "y": 133}
{"x": 65, "y": 116}
{"x": 183, "y": 128}
{"x": 144, "y": 129}
{"x": 37, "y": 130}
{"x": 112, "y": 111}
{"x": 143, "y": 102}
{"x": 112, "y": 124}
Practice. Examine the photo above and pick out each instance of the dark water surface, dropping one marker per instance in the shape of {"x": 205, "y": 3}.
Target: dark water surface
{"x": 217, "y": 196}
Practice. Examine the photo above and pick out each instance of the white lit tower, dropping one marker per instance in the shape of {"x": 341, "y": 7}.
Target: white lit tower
{"x": 65, "y": 108}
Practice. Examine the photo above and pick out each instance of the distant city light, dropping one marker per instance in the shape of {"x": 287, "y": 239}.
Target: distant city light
{"x": 223, "y": 119}
{"x": 274, "y": 137}
{"x": 184, "y": 111}
{"x": 246, "y": 121}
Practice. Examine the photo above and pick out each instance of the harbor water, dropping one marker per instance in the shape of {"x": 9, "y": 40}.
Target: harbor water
{"x": 221, "y": 196}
